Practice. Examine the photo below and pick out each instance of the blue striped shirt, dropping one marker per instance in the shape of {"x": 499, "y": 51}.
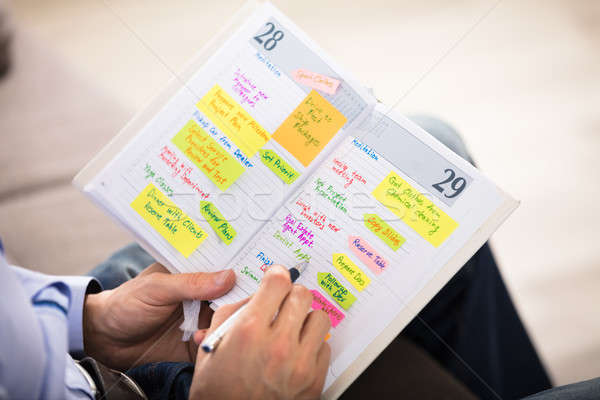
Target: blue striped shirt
{"x": 42, "y": 319}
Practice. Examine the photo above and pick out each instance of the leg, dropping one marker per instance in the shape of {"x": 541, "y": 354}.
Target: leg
{"x": 471, "y": 326}
{"x": 585, "y": 390}
{"x": 444, "y": 133}
{"x": 164, "y": 380}
{"x": 122, "y": 266}
{"x": 405, "y": 371}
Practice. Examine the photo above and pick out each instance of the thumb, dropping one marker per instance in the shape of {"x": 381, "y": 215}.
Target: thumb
{"x": 175, "y": 288}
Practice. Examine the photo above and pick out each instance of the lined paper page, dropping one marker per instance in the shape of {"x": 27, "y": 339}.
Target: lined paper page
{"x": 240, "y": 135}
{"x": 380, "y": 264}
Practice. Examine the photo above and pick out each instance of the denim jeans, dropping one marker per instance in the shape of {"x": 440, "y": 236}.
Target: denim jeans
{"x": 470, "y": 327}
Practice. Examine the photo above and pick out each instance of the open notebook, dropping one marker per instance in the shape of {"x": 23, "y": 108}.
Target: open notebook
{"x": 265, "y": 151}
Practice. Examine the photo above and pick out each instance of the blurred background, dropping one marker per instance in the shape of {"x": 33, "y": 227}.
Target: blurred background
{"x": 520, "y": 80}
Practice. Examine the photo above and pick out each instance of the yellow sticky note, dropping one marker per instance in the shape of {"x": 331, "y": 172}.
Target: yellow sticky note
{"x": 168, "y": 220}
{"x": 414, "y": 209}
{"x": 230, "y": 117}
{"x": 350, "y": 271}
{"x": 308, "y": 129}
{"x": 217, "y": 164}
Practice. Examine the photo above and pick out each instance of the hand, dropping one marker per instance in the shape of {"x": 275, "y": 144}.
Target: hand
{"x": 138, "y": 322}
{"x": 276, "y": 350}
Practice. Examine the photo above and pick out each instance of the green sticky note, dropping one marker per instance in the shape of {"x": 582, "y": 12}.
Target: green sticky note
{"x": 200, "y": 148}
{"x": 384, "y": 231}
{"x": 335, "y": 289}
{"x": 278, "y": 165}
{"x": 216, "y": 221}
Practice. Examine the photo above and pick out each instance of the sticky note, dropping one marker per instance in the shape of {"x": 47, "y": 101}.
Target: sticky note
{"x": 275, "y": 163}
{"x": 215, "y": 219}
{"x": 321, "y": 303}
{"x": 384, "y": 231}
{"x": 316, "y": 81}
{"x": 217, "y": 164}
{"x": 350, "y": 271}
{"x": 335, "y": 289}
{"x": 230, "y": 117}
{"x": 308, "y": 129}
{"x": 367, "y": 254}
{"x": 414, "y": 209}
{"x": 168, "y": 220}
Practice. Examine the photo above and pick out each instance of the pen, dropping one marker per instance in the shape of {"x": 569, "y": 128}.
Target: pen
{"x": 212, "y": 341}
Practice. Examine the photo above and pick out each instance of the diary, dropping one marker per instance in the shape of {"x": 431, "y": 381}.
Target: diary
{"x": 265, "y": 151}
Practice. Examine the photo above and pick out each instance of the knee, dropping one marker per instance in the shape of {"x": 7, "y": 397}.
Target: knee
{"x": 123, "y": 265}
{"x": 111, "y": 274}
{"x": 132, "y": 258}
{"x": 444, "y": 133}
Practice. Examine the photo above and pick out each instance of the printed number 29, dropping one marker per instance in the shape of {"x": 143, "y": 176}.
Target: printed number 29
{"x": 270, "y": 43}
{"x": 457, "y": 184}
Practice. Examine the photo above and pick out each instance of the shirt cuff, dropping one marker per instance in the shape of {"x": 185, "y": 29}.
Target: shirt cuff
{"x": 79, "y": 287}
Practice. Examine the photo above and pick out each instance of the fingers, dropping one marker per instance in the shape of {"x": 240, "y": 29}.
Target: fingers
{"x": 199, "y": 336}
{"x": 293, "y": 311}
{"x": 315, "y": 329}
{"x": 218, "y": 318}
{"x": 319, "y": 374}
{"x": 223, "y": 313}
{"x": 152, "y": 268}
{"x": 274, "y": 287}
{"x": 323, "y": 357}
{"x": 173, "y": 288}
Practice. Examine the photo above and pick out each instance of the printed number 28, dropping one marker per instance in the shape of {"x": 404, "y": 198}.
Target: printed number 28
{"x": 270, "y": 43}
{"x": 457, "y": 184}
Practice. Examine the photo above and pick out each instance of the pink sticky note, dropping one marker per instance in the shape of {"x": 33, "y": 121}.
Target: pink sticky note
{"x": 321, "y": 303}
{"x": 316, "y": 81}
{"x": 367, "y": 254}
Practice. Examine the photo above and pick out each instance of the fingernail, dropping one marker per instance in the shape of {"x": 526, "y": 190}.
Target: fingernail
{"x": 199, "y": 336}
{"x": 221, "y": 277}
{"x": 276, "y": 268}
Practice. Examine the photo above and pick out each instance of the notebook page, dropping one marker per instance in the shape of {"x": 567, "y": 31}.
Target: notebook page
{"x": 373, "y": 236}
{"x": 227, "y": 149}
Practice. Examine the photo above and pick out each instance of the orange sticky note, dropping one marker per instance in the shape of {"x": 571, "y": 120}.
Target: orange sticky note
{"x": 308, "y": 129}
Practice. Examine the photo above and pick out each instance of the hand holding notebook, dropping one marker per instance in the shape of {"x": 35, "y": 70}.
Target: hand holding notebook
{"x": 266, "y": 152}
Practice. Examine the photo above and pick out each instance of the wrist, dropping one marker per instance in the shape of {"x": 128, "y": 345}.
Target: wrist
{"x": 93, "y": 311}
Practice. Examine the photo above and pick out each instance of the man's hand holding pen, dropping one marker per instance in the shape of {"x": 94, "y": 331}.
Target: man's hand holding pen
{"x": 275, "y": 349}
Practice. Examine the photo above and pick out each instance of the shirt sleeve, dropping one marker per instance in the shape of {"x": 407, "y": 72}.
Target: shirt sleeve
{"x": 79, "y": 287}
{"x": 40, "y": 324}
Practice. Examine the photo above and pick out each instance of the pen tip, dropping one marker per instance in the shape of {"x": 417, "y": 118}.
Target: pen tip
{"x": 302, "y": 266}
